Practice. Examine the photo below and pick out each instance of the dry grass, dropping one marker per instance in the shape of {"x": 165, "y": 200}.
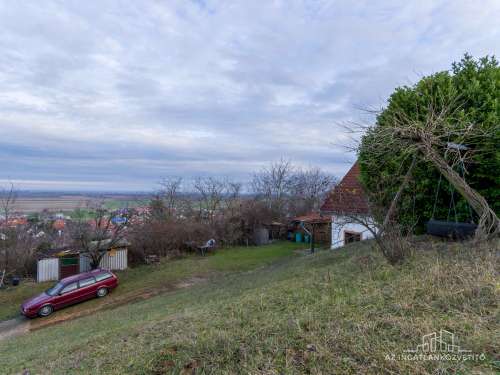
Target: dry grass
{"x": 342, "y": 312}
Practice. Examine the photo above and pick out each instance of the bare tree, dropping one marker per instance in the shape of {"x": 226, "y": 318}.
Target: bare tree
{"x": 274, "y": 185}
{"x": 170, "y": 194}
{"x": 429, "y": 137}
{"x": 311, "y": 186}
{"x": 8, "y": 198}
{"x": 105, "y": 230}
{"x": 8, "y": 240}
{"x": 379, "y": 221}
{"x": 211, "y": 191}
{"x": 233, "y": 198}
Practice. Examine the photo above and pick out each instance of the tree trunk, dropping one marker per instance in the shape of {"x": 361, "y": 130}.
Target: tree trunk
{"x": 489, "y": 224}
{"x": 394, "y": 203}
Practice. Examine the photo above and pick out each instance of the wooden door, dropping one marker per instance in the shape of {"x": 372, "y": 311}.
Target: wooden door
{"x": 69, "y": 265}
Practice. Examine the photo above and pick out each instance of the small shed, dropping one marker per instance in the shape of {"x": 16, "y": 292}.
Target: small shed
{"x": 57, "y": 264}
{"x": 313, "y": 222}
{"x": 277, "y": 230}
{"x": 260, "y": 236}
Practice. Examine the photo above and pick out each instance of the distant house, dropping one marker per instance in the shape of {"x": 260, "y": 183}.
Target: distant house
{"x": 59, "y": 226}
{"x": 14, "y": 222}
{"x": 346, "y": 202}
{"x": 56, "y": 264}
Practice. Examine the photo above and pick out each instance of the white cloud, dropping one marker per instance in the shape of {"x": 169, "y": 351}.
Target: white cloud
{"x": 209, "y": 87}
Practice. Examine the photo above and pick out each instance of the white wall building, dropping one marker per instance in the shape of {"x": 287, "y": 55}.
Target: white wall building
{"x": 344, "y": 230}
{"x": 348, "y": 207}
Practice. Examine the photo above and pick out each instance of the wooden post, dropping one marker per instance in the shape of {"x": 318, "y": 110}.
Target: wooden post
{"x": 312, "y": 239}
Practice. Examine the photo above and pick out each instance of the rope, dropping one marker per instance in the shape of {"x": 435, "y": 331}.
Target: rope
{"x": 452, "y": 200}
{"x": 436, "y": 198}
{"x": 452, "y": 203}
{"x": 462, "y": 165}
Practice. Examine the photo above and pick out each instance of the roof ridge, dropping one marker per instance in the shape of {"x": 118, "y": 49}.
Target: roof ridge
{"x": 348, "y": 195}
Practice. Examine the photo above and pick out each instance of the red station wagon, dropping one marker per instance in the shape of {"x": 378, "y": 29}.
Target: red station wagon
{"x": 70, "y": 290}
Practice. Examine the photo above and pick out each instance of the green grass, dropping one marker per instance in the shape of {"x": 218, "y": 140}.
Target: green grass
{"x": 339, "y": 311}
{"x": 115, "y": 204}
{"x": 12, "y": 297}
{"x": 160, "y": 276}
{"x": 246, "y": 258}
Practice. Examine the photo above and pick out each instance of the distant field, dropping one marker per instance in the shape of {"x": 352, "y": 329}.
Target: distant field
{"x": 68, "y": 203}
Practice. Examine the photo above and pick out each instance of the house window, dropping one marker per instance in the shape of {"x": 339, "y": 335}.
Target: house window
{"x": 351, "y": 237}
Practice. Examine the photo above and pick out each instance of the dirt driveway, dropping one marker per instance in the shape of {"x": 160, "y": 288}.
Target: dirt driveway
{"x": 21, "y": 325}
{"x": 14, "y": 327}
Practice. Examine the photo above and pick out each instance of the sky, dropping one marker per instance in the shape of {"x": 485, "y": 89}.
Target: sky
{"x": 115, "y": 95}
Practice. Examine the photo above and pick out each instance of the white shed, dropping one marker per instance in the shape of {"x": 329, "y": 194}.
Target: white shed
{"x": 112, "y": 260}
{"x": 47, "y": 269}
{"x": 62, "y": 263}
{"x": 346, "y": 205}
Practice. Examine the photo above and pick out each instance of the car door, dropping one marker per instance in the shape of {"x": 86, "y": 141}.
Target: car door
{"x": 88, "y": 288}
{"x": 68, "y": 295}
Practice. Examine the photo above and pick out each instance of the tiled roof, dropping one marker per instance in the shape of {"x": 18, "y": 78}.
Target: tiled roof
{"x": 312, "y": 218}
{"x": 348, "y": 196}
{"x": 59, "y": 224}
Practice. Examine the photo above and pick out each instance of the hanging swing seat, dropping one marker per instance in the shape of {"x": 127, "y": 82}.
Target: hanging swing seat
{"x": 450, "y": 229}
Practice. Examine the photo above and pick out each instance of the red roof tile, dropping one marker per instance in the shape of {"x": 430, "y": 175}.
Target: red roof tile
{"x": 348, "y": 196}
{"x": 313, "y": 218}
{"x": 59, "y": 224}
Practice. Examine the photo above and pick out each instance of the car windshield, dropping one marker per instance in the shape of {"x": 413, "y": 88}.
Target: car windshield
{"x": 54, "y": 290}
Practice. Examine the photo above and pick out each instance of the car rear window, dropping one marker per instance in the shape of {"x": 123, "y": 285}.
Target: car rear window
{"x": 103, "y": 276}
{"x": 87, "y": 282}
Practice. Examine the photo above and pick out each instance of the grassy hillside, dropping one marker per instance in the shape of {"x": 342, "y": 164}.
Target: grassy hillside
{"x": 157, "y": 278}
{"x": 342, "y": 311}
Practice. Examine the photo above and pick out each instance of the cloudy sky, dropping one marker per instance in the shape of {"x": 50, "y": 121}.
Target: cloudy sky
{"x": 114, "y": 95}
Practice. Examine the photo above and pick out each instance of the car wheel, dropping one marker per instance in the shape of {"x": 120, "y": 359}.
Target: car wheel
{"x": 45, "y": 310}
{"x": 101, "y": 292}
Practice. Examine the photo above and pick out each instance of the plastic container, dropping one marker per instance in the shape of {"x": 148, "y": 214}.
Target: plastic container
{"x": 298, "y": 237}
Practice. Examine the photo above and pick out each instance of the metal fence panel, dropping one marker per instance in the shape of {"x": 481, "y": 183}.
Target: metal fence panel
{"x": 47, "y": 269}
{"x": 114, "y": 260}
{"x": 84, "y": 263}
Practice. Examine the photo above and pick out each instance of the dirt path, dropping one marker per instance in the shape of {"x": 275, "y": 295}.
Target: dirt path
{"x": 22, "y": 325}
{"x": 14, "y": 327}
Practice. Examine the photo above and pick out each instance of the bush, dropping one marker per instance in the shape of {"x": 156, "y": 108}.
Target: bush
{"x": 475, "y": 84}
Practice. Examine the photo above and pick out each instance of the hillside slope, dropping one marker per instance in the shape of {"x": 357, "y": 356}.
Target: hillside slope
{"x": 342, "y": 311}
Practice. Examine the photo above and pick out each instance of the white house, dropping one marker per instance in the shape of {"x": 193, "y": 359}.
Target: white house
{"x": 348, "y": 206}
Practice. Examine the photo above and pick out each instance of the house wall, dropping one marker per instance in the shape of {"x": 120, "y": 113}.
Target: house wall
{"x": 341, "y": 224}
{"x": 47, "y": 270}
